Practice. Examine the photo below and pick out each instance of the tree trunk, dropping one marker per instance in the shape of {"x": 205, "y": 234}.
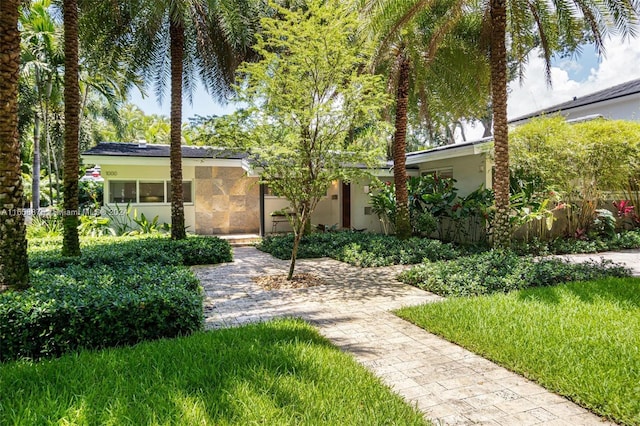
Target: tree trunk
{"x": 298, "y": 232}
{"x": 14, "y": 269}
{"x": 35, "y": 169}
{"x": 71, "y": 242}
{"x": 176, "y": 31}
{"x": 403, "y": 225}
{"x": 501, "y": 227}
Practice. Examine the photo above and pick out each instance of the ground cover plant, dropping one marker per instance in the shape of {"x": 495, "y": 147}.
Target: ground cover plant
{"x": 360, "y": 249}
{"x": 281, "y": 372}
{"x": 119, "y": 291}
{"x": 578, "y": 339}
{"x": 503, "y": 271}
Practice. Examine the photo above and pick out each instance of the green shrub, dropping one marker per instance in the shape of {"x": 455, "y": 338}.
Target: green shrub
{"x": 74, "y": 307}
{"x": 503, "y": 271}
{"x": 537, "y": 247}
{"x": 360, "y": 249}
{"x": 119, "y": 251}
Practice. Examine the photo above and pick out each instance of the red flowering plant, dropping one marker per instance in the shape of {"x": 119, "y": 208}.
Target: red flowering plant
{"x": 626, "y": 210}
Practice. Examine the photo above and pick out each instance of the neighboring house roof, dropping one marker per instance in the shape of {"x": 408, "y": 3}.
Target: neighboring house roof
{"x": 450, "y": 151}
{"x": 118, "y": 149}
{"x": 621, "y": 90}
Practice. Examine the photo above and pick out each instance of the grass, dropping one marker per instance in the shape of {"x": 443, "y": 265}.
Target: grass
{"x": 282, "y": 372}
{"x": 581, "y": 340}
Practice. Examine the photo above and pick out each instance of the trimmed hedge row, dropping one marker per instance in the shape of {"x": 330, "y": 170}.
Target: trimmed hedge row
{"x": 503, "y": 271}
{"x": 117, "y": 251}
{"x": 360, "y": 249}
{"x": 119, "y": 292}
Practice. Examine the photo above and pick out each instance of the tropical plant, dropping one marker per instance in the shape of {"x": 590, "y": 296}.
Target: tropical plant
{"x": 14, "y": 269}
{"x": 583, "y": 162}
{"x": 94, "y": 226}
{"x": 430, "y": 57}
{"x": 41, "y": 60}
{"x": 314, "y": 114}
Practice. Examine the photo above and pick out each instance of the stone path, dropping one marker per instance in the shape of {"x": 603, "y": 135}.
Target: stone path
{"x": 449, "y": 384}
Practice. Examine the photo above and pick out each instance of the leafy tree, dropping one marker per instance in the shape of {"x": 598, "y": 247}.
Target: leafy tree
{"x": 14, "y": 269}
{"x": 579, "y": 161}
{"x": 435, "y": 68}
{"x": 178, "y": 39}
{"x": 315, "y": 118}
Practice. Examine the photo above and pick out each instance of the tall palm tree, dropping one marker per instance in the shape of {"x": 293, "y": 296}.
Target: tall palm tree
{"x": 426, "y": 49}
{"x": 71, "y": 241}
{"x": 554, "y": 23}
{"x": 14, "y": 269}
{"x": 179, "y": 39}
{"x": 41, "y": 58}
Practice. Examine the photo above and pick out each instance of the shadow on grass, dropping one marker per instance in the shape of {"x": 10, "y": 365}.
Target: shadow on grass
{"x": 622, "y": 291}
{"x": 280, "y": 372}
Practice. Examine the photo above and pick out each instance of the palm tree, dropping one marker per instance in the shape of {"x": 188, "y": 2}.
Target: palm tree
{"x": 179, "y": 39}
{"x": 426, "y": 52}
{"x": 554, "y": 23}
{"x": 14, "y": 269}
{"x": 41, "y": 59}
{"x": 71, "y": 242}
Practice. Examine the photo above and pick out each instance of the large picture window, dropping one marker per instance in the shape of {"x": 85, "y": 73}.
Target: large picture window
{"x": 152, "y": 192}
{"x": 134, "y": 191}
{"x": 186, "y": 191}
{"x": 121, "y": 191}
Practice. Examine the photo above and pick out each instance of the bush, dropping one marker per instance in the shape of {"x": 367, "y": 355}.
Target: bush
{"x": 503, "y": 271}
{"x": 119, "y": 251}
{"x": 74, "y": 307}
{"x": 120, "y": 291}
{"x": 360, "y": 249}
{"x": 537, "y": 247}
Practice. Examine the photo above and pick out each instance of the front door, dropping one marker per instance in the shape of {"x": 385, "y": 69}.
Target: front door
{"x": 346, "y": 205}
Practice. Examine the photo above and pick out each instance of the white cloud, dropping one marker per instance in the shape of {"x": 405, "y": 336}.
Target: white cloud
{"x": 620, "y": 64}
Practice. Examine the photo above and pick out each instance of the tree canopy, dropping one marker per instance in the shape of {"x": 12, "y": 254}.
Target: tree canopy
{"x": 315, "y": 116}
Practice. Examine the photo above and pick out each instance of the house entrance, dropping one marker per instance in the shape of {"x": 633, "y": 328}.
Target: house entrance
{"x": 346, "y": 205}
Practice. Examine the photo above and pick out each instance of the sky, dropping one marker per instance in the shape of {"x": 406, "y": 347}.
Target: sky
{"x": 576, "y": 76}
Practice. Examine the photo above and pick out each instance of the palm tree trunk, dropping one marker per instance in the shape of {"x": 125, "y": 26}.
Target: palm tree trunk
{"x": 14, "y": 269}
{"x": 501, "y": 227}
{"x": 403, "y": 225}
{"x": 71, "y": 242}
{"x": 35, "y": 169}
{"x": 176, "y": 32}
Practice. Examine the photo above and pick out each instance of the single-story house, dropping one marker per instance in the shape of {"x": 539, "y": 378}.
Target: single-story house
{"x": 221, "y": 197}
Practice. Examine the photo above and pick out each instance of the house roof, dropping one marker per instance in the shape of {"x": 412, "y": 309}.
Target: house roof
{"x": 621, "y": 90}
{"x": 118, "y": 149}
{"x": 449, "y": 151}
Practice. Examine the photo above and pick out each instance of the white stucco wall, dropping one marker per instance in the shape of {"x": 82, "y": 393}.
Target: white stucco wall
{"x": 119, "y": 172}
{"x": 469, "y": 171}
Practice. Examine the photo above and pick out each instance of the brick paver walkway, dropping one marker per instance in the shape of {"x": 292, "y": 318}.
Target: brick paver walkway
{"x": 449, "y": 384}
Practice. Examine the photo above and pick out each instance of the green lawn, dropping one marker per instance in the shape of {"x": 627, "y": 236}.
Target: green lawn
{"x": 581, "y": 340}
{"x": 282, "y": 372}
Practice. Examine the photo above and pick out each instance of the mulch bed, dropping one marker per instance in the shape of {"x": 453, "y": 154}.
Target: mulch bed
{"x": 277, "y": 282}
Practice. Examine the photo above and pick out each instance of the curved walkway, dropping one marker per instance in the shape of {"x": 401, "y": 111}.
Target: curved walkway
{"x": 449, "y": 384}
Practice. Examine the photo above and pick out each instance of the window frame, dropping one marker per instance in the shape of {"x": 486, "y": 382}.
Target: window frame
{"x": 138, "y": 199}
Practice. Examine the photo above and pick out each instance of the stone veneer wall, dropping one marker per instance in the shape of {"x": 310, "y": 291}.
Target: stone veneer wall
{"x": 227, "y": 201}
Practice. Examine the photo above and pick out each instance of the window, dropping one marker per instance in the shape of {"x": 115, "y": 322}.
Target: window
{"x": 123, "y": 191}
{"x": 132, "y": 191}
{"x": 151, "y": 192}
{"x": 186, "y": 191}
{"x": 446, "y": 173}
